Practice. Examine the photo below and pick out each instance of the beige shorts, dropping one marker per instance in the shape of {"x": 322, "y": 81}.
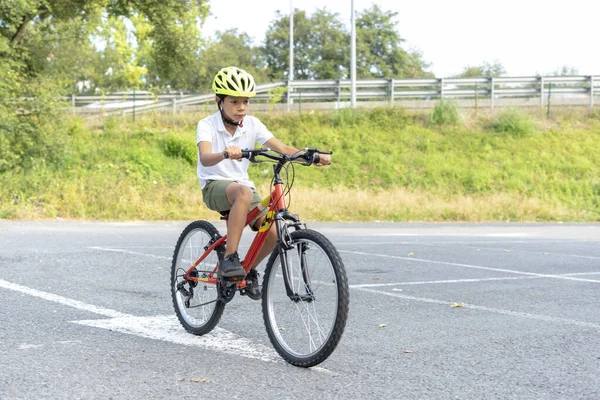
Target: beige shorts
{"x": 215, "y": 198}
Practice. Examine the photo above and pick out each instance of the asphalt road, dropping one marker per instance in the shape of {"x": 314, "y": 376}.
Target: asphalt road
{"x": 437, "y": 311}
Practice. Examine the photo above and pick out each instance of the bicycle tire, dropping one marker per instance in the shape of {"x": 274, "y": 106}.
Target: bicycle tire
{"x": 302, "y": 340}
{"x": 198, "y": 319}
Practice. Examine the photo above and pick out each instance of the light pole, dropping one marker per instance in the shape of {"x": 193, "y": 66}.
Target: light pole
{"x": 352, "y": 56}
{"x": 291, "y": 70}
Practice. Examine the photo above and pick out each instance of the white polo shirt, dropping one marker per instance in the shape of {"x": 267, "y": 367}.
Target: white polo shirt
{"x": 212, "y": 129}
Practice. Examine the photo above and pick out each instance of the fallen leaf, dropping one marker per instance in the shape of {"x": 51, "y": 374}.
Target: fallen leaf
{"x": 506, "y": 251}
{"x": 411, "y": 254}
{"x": 408, "y": 351}
{"x": 495, "y": 341}
{"x": 201, "y": 380}
{"x": 457, "y": 305}
{"x": 377, "y": 278}
{"x": 382, "y": 325}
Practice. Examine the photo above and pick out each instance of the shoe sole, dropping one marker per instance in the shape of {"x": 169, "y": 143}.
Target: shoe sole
{"x": 233, "y": 274}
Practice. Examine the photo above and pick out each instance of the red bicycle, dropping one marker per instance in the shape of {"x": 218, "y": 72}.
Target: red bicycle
{"x": 305, "y": 290}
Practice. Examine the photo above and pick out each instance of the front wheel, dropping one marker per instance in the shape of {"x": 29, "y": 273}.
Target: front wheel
{"x": 305, "y": 299}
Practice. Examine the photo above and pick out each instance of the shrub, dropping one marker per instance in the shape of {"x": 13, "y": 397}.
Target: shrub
{"x": 178, "y": 147}
{"x": 514, "y": 122}
{"x": 445, "y": 113}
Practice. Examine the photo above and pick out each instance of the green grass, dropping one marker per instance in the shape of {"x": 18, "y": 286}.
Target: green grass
{"x": 389, "y": 164}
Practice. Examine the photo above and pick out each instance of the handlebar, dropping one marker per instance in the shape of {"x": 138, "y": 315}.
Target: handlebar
{"x": 309, "y": 154}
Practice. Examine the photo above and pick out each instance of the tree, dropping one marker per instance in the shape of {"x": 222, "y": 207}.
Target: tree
{"x": 379, "y": 51}
{"x": 171, "y": 26}
{"x": 320, "y": 46}
{"x": 494, "y": 70}
{"x": 45, "y": 46}
{"x": 229, "y": 48}
{"x": 565, "y": 70}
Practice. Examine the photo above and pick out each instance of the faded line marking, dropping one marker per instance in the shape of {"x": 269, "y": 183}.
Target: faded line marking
{"x": 510, "y": 271}
{"x": 130, "y": 252}
{"x": 62, "y": 300}
{"x": 443, "y": 281}
{"x": 465, "y": 280}
{"x": 563, "y": 321}
{"x": 168, "y": 329}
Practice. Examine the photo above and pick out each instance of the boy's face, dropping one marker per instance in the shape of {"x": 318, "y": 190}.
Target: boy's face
{"x": 235, "y": 108}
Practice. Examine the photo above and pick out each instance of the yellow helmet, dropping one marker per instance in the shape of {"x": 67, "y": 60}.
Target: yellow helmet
{"x": 233, "y": 81}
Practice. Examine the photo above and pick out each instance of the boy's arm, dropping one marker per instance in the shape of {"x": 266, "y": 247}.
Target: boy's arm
{"x": 276, "y": 144}
{"x": 207, "y": 157}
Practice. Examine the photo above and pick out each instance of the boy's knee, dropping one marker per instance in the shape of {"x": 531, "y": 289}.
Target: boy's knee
{"x": 242, "y": 194}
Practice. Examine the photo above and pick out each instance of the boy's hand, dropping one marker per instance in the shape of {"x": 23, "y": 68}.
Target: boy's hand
{"x": 324, "y": 159}
{"x": 234, "y": 153}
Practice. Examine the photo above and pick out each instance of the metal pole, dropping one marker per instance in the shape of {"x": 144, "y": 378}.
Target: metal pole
{"x": 353, "y": 56}
{"x": 291, "y": 70}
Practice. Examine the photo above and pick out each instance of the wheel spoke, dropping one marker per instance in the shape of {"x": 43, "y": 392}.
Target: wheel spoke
{"x": 204, "y": 310}
{"x": 306, "y": 327}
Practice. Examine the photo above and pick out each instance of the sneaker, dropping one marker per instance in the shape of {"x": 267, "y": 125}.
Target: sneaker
{"x": 231, "y": 267}
{"x": 253, "y": 289}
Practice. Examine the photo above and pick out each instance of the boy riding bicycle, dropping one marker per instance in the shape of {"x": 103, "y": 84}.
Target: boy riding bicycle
{"x": 223, "y": 173}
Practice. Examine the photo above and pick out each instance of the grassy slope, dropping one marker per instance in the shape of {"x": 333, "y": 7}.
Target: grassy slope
{"x": 388, "y": 165}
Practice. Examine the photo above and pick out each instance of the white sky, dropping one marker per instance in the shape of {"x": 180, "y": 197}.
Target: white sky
{"x": 528, "y": 37}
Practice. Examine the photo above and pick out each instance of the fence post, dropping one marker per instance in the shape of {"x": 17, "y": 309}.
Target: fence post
{"x": 549, "y": 94}
{"x": 339, "y": 93}
{"x": 174, "y": 105}
{"x": 476, "y": 98}
{"x": 541, "y": 91}
{"x": 442, "y": 88}
{"x": 591, "y": 91}
{"x": 73, "y": 103}
{"x": 392, "y": 92}
{"x": 492, "y": 94}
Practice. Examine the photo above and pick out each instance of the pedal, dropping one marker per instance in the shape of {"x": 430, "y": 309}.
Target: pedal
{"x": 227, "y": 288}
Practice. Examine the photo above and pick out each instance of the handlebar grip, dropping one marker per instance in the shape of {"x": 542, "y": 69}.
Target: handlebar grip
{"x": 245, "y": 154}
{"x": 316, "y": 159}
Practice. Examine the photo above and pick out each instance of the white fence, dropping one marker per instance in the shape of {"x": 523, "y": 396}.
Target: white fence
{"x": 416, "y": 93}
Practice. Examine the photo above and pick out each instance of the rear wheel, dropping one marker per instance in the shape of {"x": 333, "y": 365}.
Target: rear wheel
{"x": 306, "y": 324}
{"x": 196, "y": 303}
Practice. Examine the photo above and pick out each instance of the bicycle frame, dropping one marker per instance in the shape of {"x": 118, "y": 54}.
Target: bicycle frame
{"x": 276, "y": 203}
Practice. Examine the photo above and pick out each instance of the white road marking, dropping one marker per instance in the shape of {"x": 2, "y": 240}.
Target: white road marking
{"x": 62, "y": 300}
{"x": 563, "y": 321}
{"x": 165, "y": 328}
{"x": 168, "y": 329}
{"x": 130, "y": 252}
{"x": 510, "y": 271}
{"x": 508, "y": 278}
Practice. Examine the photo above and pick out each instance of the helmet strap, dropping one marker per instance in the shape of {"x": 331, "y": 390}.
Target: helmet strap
{"x": 224, "y": 117}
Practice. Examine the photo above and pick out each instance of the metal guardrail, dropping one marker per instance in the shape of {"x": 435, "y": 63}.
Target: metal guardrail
{"x": 369, "y": 90}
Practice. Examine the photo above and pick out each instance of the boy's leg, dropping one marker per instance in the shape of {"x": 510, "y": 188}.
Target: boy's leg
{"x": 268, "y": 245}
{"x": 239, "y": 197}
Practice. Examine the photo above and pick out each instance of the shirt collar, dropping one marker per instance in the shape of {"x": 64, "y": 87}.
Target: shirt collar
{"x": 221, "y": 125}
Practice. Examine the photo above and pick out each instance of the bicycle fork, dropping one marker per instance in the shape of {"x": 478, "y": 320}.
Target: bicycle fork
{"x": 286, "y": 244}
